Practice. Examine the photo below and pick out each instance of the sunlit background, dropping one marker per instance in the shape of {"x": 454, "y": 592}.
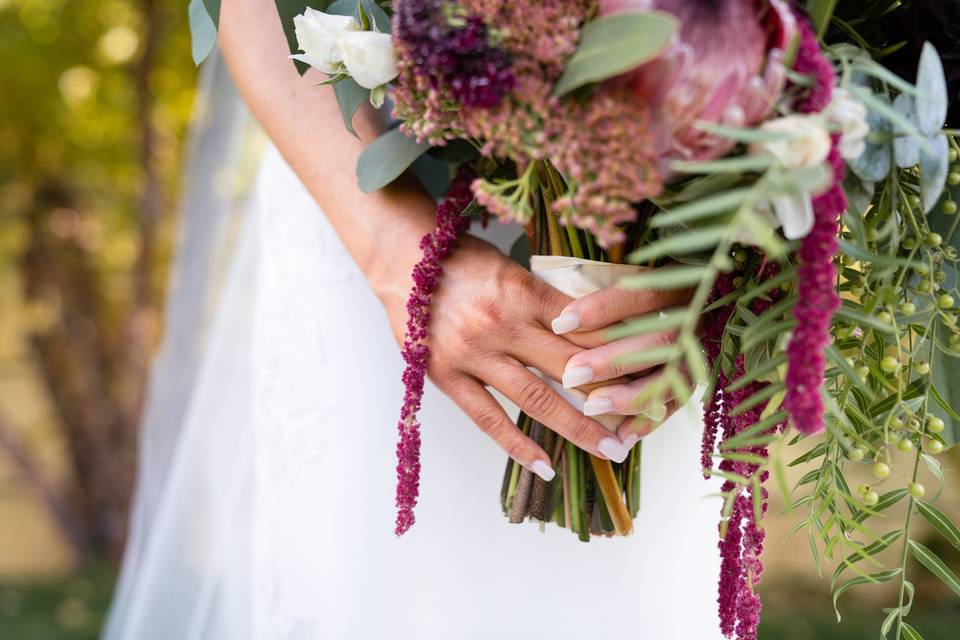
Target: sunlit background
{"x": 95, "y": 99}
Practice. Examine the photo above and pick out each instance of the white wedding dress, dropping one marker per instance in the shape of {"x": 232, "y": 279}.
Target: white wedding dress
{"x": 265, "y": 509}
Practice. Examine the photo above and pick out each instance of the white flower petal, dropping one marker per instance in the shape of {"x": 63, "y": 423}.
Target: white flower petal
{"x": 317, "y": 36}
{"x": 369, "y": 57}
{"x": 795, "y": 213}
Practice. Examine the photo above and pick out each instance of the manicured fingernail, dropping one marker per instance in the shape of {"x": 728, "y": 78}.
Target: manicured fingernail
{"x": 565, "y": 323}
{"x": 611, "y": 448}
{"x": 542, "y": 469}
{"x": 596, "y": 406}
{"x": 656, "y": 413}
{"x": 630, "y": 440}
{"x": 576, "y": 376}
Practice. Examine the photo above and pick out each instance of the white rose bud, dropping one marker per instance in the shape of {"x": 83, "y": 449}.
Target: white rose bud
{"x": 851, "y": 116}
{"x": 318, "y": 36}
{"x": 369, "y": 57}
{"x": 807, "y": 146}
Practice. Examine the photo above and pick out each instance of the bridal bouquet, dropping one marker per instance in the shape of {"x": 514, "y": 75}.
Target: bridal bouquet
{"x": 801, "y": 192}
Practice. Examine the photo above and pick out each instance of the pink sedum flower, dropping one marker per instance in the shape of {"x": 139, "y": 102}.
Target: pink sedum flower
{"x": 725, "y": 66}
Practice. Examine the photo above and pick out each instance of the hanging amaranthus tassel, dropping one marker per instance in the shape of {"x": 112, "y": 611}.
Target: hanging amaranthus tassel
{"x": 426, "y": 277}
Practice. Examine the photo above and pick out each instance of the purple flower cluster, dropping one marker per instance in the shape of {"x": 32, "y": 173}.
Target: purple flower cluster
{"x": 416, "y": 353}
{"x": 459, "y": 57}
{"x": 816, "y": 276}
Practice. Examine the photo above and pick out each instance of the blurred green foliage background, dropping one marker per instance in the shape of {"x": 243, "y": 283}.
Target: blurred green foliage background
{"x": 95, "y": 100}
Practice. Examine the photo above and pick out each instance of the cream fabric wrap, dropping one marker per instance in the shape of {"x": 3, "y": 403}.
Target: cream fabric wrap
{"x": 578, "y": 277}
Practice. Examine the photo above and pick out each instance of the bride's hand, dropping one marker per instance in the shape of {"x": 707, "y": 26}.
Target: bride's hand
{"x": 490, "y": 322}
{"x": 583, "y": 320}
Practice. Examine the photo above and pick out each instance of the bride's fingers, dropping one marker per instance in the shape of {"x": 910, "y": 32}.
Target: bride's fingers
{"x": 635, "y": 428}
{"x": 490, "y": 418}
{"x": 622, "y": 399}
{"x": 539, "y": 348}
{"x": 617, "y": 358}
{"x": 611, "y": 305}
{"x": 543, "y": 404}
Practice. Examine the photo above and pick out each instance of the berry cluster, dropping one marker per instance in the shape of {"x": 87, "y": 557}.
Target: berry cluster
{"x": 455, "y": 52}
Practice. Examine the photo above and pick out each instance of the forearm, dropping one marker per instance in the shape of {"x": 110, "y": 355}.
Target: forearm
{"x": 380, "y": 230}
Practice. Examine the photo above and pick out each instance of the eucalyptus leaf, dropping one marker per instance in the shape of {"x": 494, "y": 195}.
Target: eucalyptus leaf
{"x": 874, "y": 163}
{"x": 287, "y": 10}
{"x": 906, "y": 151}
{"x": 203, "y": 30}
{"x": 859, "y": 193}
{"x": 386, "y": 158}
{"x": 614, "y": 44}
{"x": 350, "y": 96}
{"x": 881, "y": 105}
{"x": 932, "y": 90}
{"x": 934, "y": 166}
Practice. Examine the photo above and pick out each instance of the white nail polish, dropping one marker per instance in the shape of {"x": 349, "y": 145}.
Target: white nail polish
{"x": 655, "y": 413}
{"x": 565, "y": 323}
{"x": 611, "y": 448}
{"x": 630, "y": 440}
{"x": 597, "y": 406}
{"x": 576, "y": 376}
{"x": 542, "y": 469}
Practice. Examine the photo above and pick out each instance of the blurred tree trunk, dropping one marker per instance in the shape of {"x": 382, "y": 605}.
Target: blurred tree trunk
{"x": 93, "y": 359}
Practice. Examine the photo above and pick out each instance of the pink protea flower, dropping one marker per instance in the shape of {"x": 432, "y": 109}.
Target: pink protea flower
{"x": 426, "y": 277}
{"x": 724, "y": 66}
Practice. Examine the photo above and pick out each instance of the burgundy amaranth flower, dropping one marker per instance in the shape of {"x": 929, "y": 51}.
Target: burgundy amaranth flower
{"x": 817, "y": 298}
{"x": 426, "y": 277}
{"x": 741, "y": 545}
{"x": 725, "y": 65}
{"x": 460, "y": 57}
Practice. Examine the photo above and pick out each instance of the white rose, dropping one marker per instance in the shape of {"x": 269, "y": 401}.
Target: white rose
{"x": 369, "y": 57}
{"x": 851, "y": 116}
{"x": 318, "y": 36}
{"x": 807, "y": 143}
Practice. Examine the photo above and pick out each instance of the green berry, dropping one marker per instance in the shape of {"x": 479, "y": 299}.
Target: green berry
{"x": 890, "y": 364}
{"x": 917, "y": 490}
{"x": 862, "y": 489}
{"x": 863, "y": 372}
{"x": 934, "y": 239}
{"x": 914, "y": 201}
{"x": 909, "y": 243}
{"x": 871, "y": 498}
{"x": 885, "y": 317}
{"x": 952, "y": 154}
{"x": 881, "y": 470}
{"x": 923, "y": 368}
{"x": 935, "y": 424}
{"x": 921, "y": 269}
{"x": 924, "y": 286}
{"x": 908, "y": 308}
{"x": 897, "y": 423}
{"x": 945, "y": 301}
{"x": 857, "y": 290}
{"x": 950, "y": 207}
{"x": 933, "y": 446}
{"x": 905, "y": 445}
{"x": 857, "y": 454}
{"x": 953, "y": 178}
{"x": 914, "y": 424}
